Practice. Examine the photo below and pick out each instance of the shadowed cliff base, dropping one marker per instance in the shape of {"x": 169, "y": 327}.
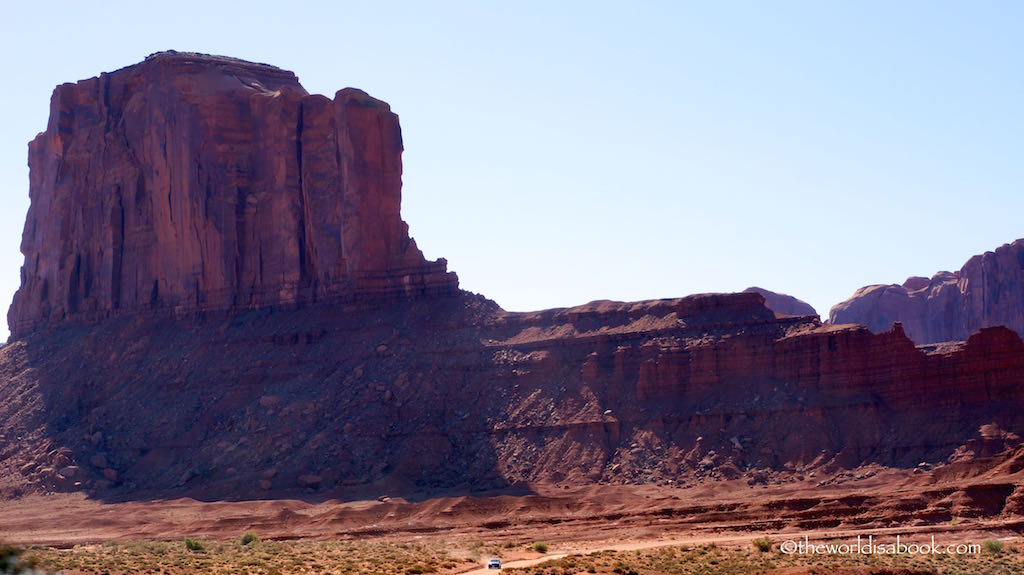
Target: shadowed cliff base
{"x": 453, "y": 395}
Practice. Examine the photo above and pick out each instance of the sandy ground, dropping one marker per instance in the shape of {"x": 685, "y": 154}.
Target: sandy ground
{"x": 569, "y": 519}
{"x": 969, "y": 533}
{"x": 518, "y": 563}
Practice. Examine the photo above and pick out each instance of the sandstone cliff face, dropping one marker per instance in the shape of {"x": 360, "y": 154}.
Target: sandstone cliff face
{"x": 191, "y": 182}
{"x": 782, "y": 303}
{"x": 987, "y": 291}
{"x": 456, "y": 393}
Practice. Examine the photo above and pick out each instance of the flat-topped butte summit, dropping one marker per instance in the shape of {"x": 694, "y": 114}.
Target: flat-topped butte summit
{"x": 191, "y": 182}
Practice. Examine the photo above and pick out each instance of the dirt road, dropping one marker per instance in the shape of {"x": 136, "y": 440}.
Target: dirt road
{"x": 519, "y": 563}
{"x": 726, "y": 539}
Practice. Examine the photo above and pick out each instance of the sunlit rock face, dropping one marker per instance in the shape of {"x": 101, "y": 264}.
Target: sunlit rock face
{"x": 988, "y": 291}
{"x": 190, "y": 182}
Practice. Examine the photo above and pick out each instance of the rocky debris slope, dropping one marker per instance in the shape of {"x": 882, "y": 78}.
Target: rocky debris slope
{"x": 987, "y": 291}
{"x": 193, "y": 183}
{"x": 784, "y": 304}
{"x": 454, "y": 393}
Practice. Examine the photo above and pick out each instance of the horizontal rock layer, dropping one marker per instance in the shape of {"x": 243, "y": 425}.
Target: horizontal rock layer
{"x": 195, "y": 183}
{"x": 191, "y": 182}
{"x": 455, "y": 393}
{"x": 987, "y": 291}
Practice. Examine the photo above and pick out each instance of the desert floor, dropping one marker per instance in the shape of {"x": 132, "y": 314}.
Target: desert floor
{"x": 594, "y": 529}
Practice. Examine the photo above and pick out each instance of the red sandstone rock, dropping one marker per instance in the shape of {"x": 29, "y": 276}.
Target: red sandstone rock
{"x": 190, "y": 182}
{"x": 484, "y": 398}
{"x": 987, "y": 291}
{"x": 206, "y": 183}
{"x": 783, "y": 304}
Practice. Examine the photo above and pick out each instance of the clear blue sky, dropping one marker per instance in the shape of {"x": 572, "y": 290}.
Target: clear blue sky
{"x": 561, "y": 152}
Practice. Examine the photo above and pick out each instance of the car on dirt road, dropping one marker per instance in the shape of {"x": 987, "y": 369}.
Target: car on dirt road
{"x": 494, "y": 563}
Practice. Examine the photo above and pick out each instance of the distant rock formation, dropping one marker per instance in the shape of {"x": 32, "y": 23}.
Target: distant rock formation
{"x": 782, "y": 303}
{"x": 194, "y": 182}
{"x": 987, "y": 291}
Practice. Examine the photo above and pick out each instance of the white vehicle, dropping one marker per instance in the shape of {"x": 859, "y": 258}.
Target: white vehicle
{"x": 494, "y": 563}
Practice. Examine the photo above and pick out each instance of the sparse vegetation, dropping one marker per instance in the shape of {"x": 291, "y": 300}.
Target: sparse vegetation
{"x": 992, "y": 546}
{"x": 540, "y": 547}
{"x": 762, "y": 544}
{"x": 8, "y": 559}
{"x": 193, "y": 544}
{"x": 751, "y": 560}
{"x": 12, "y": 563}
{"x": 259, "y": 557}
{"x": 376, "y": 556}
{"x": 249, "y": 537}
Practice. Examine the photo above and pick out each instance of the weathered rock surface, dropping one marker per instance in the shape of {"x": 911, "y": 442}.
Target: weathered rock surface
{"x": 987, "y": 291}
{"x": 702, "y": 388}
{"x": 198, "y": 183}
{"x": 784, "y": 304}
{"x": 190, "y": 183}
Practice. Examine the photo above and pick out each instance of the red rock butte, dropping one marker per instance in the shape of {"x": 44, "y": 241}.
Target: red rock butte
{"x": 190, "y": 182}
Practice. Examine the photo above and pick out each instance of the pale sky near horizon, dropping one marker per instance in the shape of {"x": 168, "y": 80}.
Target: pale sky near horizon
{"x": 561, "y": 152}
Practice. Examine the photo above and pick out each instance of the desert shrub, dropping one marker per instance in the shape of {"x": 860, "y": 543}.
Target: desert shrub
{"x": 540, "y": 547}
{"x": 193, "y": 544}
{"x": 762, "y": 544}
{"x": 8, "y": 559}
{"x": 12, "y": 563}
{"x": 249, "y": 537}
{"x": 993, "y": 545}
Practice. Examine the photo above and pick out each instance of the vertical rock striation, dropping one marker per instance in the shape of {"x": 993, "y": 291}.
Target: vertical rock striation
{"x": 190, "y": 182}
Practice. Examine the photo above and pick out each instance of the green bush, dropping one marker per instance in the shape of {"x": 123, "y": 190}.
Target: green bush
{"x": 993, "y": 546}
{"x": 762, "y": 544}
{"x": 540, "y": 547}
{"x": 193, "y": 544}
{"x": 249, "y": 537}
{"x": 12, "y": 563}
{"x": 8, "y": 559}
